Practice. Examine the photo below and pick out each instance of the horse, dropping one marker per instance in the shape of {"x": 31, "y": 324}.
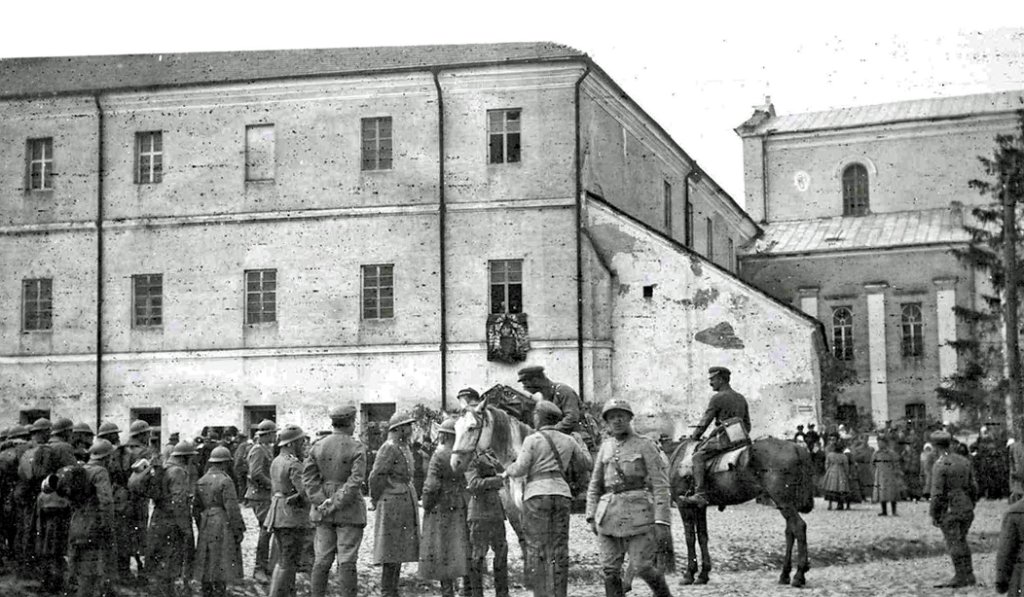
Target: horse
{"x": 484, "y": 428}
{"x": 773, "y": 470}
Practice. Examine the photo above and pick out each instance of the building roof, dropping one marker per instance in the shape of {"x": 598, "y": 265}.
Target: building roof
{"x": 936, "y": 108}
{"x": 64, "y": 75}
{"x": 852, "y": 233}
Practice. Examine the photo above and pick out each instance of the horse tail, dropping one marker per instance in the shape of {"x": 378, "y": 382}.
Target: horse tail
{"x": 806, "y": 502}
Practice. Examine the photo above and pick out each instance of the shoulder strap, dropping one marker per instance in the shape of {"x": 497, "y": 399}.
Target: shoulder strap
{"x": 558, "y": 457}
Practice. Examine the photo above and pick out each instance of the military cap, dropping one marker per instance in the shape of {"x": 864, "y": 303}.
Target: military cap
{"x": 717, "y": 370}
{"x": 108, "y": 428}
{"x": 548, "y": 409}
{"x": 343, "y": 411}
{"x": 399, "y": 419}
{"x": 17, "y": 431}
{"x": 219, "y": 454}
{"x": 61, "y": 425}
{"x": 138, "y": 428}
{"x": 447, "y": 427}
{"x": 323, "y": 433}
{"x": 266, "y": 426}
{"x": 615, "y": 404}
{"x": 531, "y": 372}
{"x": 470, "y": 395}
{"x": 289, "y": 434}
{"x": 3, "y": 434}
{"x": 100, "y": 448}
{"x": 184, "y": 448}
{"x": 41, "y": 424}
{"x": 941, "y": 438}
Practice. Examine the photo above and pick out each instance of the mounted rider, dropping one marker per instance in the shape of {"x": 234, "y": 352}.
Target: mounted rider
{"x": 727, "y": 408}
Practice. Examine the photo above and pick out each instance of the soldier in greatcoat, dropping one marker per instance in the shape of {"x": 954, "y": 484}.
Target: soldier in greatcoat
{"x": 289, "y": 509}
{"x": 171, "y": 544}
{"x": 954, "y": 494}
{"x": 333, "y": 475}
{"x": 257, "y": 493}
{"x": 219, "y": 545}
{"x": 628, "y": 504}
{"x": 444, "y": 542}
{"x": 39, "y": 461}
{"x": 396, "y": 527}
{"x": 1010, "y": 556}
{"x": 92, "y": 522}
{"x": 53, "y": 511}
{"x": 17, "y": 444}
{"x": 133, "y": 515}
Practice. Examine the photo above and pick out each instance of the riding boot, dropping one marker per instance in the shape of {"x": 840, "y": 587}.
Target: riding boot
{"x": 699, "y": 498}
{"x": 389, "y": 579}
{"x": 500, "y": 577}
{"x": 348, "y": 581}
{"x": 655, "y": 580}
{"x": 894, "y": 509}
{"x": 885, "y": 509}
{"x": 476, "y": 577}
{"x": 613, "y": 586}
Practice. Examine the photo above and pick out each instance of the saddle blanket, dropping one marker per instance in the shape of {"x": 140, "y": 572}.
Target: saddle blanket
{"x": 727, "y": 461}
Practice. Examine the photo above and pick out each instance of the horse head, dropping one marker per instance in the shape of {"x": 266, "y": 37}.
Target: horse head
{"x": 472, "y": 434}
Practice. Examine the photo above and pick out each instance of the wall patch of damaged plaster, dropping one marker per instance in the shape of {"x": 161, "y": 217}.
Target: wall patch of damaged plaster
{"x": 720, "y": 336}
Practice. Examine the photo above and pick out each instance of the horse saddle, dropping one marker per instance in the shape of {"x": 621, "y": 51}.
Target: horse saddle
{"x": 734, "y": 458}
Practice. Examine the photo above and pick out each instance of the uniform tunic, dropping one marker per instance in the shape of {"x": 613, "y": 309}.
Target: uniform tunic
{"x": 396, "y": 525}
{"x": 444, "y": 543}
{"x": 219, "y": 546}
{"x": 131, "y": 528}
{"x": 954, "y": 493}
{"x": 90, "y": 529}
{"x": 171, "y": 544}
{"x": 335, "y": 470}
{"x": 887, "y": 476}
{"x": 1010, "y": 557}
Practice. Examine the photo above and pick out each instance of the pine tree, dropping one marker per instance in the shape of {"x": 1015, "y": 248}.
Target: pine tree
{"x": 980, "y": 384}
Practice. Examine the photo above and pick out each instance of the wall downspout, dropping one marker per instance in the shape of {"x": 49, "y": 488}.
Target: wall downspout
{"x": 441, "y": 217}
{"x": 99, "y": 261}
{"x": 764, "y": 178}
{"x": 579, "y": 237}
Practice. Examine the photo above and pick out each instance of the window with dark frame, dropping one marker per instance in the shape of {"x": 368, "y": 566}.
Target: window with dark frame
{"x": 37, "y": 304}
{"x": 688, "y": 223}
{"x": 503, "y": 133}
{"x": 147, "y": 300}
{"x": 31, "y": 415}
{"x": 732, "y": 255}
{"x": 855, "y": 190}
{"x": 151, "y": 415}
{"x": 915, "y": 411}
{"x": 842, "y": 333}
{"x": 260, "y": 296}
{"x": 506, "y": 277}
{"x": 376, "y": 143}
{"x": 149, "y": 157}
{"x": 253, "y": 415}
{"x": 259, "y": 152}
{"x": 667, "y": 194}
{"x": 40, "y": 164}
{"x": 711, "y": 239}
{"x": 912, "y": 330}
{"x": 379, "y": 291}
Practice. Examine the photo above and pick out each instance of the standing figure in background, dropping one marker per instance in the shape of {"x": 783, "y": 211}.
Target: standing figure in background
{"x": 131, "y": 529}
{"x": 954, "y": 494}
{"x": 444, "y": 542}
{"x": 289, "y": 509}
{"x": 1010, "y": 556}
{"x": 257, "y": 494}
{"x": 53, "y": 511}
{"x": 927, "y": 462}
{"x": 887, "y": 477}
{"x": 92, "y": 520}
{"x": 836, "y": 482}
{"x": 534, "y": 380}
{"x": 219, "y": 545}
{"x": 910, "y": 465}
{"x": 171, "y": 544}
{"x": 1016, "y": 473}
{"x": 486, "y": 517}
{"x": 81, "y": 441}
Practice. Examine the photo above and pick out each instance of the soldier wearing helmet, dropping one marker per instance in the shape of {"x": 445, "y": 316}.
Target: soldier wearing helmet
{"x": 53, "y": 512}
{"x": 954, "y": 495}
{"x": 131, "y": 509}
{"x": 333, "y": 474}
{"x": 170, "y": 528}
{"x": 257, "y": 493}
{"x": 396, "y": 529}
{"x": 18, "y": 444}
{"x": 60, "y": 436}
{"x": 81, "y": 440}
{"x": 628, "y": 503}
{"x": 92, "y": 522}
{"x": 726, "y": 405}
{"x": 221, "y": 529}
{"x": 289, "y": 509}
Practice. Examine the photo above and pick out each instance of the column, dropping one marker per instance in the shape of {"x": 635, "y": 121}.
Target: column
{"x": 809, "y": 300}
{"x": 876, "y": 352}
{"x": 945, "y": 300}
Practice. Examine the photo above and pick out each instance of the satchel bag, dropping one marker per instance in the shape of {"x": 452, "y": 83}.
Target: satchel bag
{"x": 577, "y": 476}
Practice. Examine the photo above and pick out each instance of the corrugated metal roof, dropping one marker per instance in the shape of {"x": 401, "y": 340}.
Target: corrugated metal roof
{"x": 923, "y": 109}
{"x": 40, "y": 76}
{"x": 874, "y": 231}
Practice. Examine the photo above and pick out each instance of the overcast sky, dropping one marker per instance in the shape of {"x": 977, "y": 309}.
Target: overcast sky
{"x": 698, "y": 69}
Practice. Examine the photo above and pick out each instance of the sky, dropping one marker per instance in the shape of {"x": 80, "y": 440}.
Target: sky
{"x": 698, "y": 69}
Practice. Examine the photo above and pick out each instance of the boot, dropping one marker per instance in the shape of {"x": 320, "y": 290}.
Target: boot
{"x": 389, "y": 579}
{"x": 348, "y": 581}
{"x": 476, "y": 577}
{"x": 959, "y": 576}
{"x": 613, "y": 586}
{"x": 500, "y": 577}
{"x": 655, "y": 580}
{"x": 699, "y": 497}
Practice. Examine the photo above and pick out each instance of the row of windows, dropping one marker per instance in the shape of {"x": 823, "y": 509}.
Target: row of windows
{"x": 376, "y": 148}
{"x": 688, "y": 227}
{"x": 911, "y": 331}
{"x": 378, "y": 295}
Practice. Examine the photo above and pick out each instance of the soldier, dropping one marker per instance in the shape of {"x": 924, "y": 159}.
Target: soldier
{"x": 486, "y": 517}
{"x": 565, "y": 398}
{"x": 444, "y": 542}
{"x": 92, "y": 522}
{"x": 35, "y": 464}
{"x": 628, "y": 503}
{"x": 240, "y": 463}
{"x": 60, "y": 438}
{"x": 219, "y": 546}
{"x": 172, "y": 441}
{"x": 333, "y": 474}
{"x": 954, "y": 493}
{"x": 257, "y": 495}
{"x": 726, "y": 404}
{"x": 396, "y": 528}
{"x": 81, "y": 441}
{"x": 53, "y": 512}
{"x": 289, "y": 509}
{"x": 17, "y": 440}
{"x": 130, "y": 532}
{"x": 170, "y": 528}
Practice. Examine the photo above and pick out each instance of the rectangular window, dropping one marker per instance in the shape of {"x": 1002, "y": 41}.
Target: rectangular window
{"x": 27, "y": 417}
{"x": 732, "y": 256}
{"x": 711, "y": 240}
{"x": 503, "y": 132}
{"x": 259, "y": 152}
{"x": 915, "y": 412}
{"x": 377, "y": 143}
{"x": 506, "y": 285}
{"x": 149, "y": 157}
{"x": 253, "y": 415}
{"x": 150, "y": 415}
{"x": 378, "y": 291}
{"x": 147, "y": 300}
{"x": 260, "y": 296}
{"x": 37, "y": 304}
{"x": 40, "y": 164}
{"x": 375, "y": 423}
{"x": 688, "y": 223}
{"x": 667, "y": 192}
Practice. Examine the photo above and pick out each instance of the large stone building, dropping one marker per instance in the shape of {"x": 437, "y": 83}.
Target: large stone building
{"x": 215, "y": 238}
{"x": 860, "y": 207}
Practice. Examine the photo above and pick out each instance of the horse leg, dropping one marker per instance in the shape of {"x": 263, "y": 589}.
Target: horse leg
{"x": 686, "y": 513}
{"x": 787, "y": 562}
{"x": 796, "y": 530}
{"x": 517, "y": 528}
{"x": 702, "y": 540}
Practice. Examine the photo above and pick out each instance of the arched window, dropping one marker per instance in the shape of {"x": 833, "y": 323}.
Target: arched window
{"x": 842, "y": 333}
{"x": 855, "y": 190}
{"x": 912, "y": 328}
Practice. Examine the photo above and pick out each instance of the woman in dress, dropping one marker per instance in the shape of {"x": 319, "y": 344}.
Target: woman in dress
{"x": 836, "y": 482}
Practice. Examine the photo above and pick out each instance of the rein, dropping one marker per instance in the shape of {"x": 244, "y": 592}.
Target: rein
{"x": 478, "y": 430}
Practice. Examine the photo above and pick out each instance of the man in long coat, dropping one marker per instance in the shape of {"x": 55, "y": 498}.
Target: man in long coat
{"x": 257, "y": 493}
{"x": 333, "y": 474}
{"x": 133, "y": 516}
{"x": 954, "y": 494}
{"x": 92, "y": 522}
{"x": 171, "y": 545}
{"x": 53, "y": 511}
{"x": 221, "y": 530}
{"x": 289, "y": 510}
{"x": 17, "y": 438}
{"x": 444, "y": 542}
{"x": 396, "y": 528}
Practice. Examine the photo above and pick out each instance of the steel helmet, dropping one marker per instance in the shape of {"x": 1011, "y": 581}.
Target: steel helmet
{"x": 41, "y": 424}
{"x": 82, "y": 427}
{"x": 108, "y": 428}
{"x": 615, "y": 404}
{"x": 184, "y": 448}
{"x": 17, "y": 431}
{"x": 289, "y": 434}
{"x": 138, "y": 428}
{"x": 399, "y": 419}
{"x": 61, "y": 425}
{"x": 266, "y": 426}
{"x": 100, "y": 448}
{"x": 220, "y": 454}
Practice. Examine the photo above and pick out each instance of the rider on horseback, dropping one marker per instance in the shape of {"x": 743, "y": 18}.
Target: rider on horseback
{"x": 725, "y": 404}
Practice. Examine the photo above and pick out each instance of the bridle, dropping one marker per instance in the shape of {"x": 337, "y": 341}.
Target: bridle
{"x": 478, "y": 428}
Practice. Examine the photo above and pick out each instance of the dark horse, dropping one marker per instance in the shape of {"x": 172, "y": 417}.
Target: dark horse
{"x": 773, "y": 470}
